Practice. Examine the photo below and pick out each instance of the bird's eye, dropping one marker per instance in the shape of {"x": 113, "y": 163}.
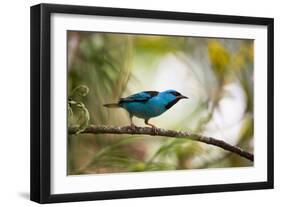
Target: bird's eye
{"x": 175, "y": 93}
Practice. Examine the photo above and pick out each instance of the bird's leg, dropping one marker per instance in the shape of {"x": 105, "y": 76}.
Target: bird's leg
{"x": 154, "y": 128}
{"x": 133, "y": 126}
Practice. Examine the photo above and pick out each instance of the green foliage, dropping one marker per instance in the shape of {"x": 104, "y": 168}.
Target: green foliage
{"x": 219, "y": 57}
{"x": 101, "y": 63}
{"x": 112, "y": 156}
{"x": 78, "y": 114}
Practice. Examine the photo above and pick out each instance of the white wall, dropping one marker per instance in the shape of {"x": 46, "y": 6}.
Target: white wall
{"x": 14, "y": 87}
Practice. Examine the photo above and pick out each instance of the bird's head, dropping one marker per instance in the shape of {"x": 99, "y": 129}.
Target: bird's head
{"x": 173, "y": 94}
{"x": 172, "y": 97}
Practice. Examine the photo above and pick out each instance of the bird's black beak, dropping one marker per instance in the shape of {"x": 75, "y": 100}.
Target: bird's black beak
{"x": 182, "y": 97}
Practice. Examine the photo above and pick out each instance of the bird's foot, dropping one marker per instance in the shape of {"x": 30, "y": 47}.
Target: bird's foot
{"x": 155, "y": 129}
{"x": 133, "y": 127}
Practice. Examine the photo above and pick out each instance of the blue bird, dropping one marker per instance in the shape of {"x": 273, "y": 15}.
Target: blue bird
{"x": 148, "y": 104}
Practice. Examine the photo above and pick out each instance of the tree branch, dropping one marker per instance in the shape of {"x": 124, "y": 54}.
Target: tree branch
{"x": 103, "y": 129}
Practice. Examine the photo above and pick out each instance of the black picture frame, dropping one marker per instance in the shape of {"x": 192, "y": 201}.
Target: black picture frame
{"x": 41, "y": 98}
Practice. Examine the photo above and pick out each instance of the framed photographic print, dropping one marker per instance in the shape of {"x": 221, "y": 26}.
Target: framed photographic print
{"x": 132, "y": 103}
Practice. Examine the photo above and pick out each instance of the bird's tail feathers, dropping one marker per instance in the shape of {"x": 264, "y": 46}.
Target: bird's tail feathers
{"x": 112, "y": 105}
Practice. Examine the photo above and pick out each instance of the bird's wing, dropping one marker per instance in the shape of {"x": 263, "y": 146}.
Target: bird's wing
{"x": 139, "y": 97}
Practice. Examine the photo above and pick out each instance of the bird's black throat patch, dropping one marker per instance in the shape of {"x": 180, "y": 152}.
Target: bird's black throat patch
{"x": 171, "y": 103}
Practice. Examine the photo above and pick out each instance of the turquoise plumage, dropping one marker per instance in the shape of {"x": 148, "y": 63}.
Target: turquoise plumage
{"x": 148, "y": 104}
